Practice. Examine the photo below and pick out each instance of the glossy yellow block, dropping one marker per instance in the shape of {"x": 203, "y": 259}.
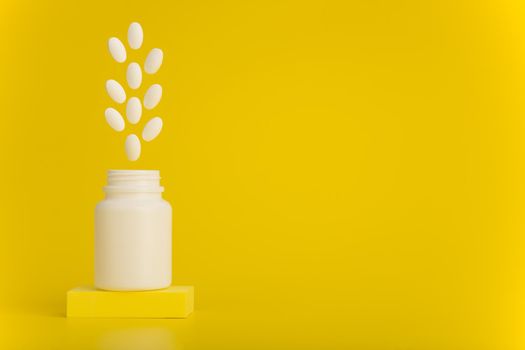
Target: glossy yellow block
{"x": 172, "y": 302}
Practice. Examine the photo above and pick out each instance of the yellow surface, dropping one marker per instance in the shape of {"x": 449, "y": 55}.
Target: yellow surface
{"x": 343, "y": 174}
{"x": 172, "y": 302}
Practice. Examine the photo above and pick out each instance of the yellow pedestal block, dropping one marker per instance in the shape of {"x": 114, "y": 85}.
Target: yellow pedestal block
{"x": 172, "y": 302}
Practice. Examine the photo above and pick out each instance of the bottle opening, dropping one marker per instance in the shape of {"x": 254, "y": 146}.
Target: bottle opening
{"x": 133, "y": 181}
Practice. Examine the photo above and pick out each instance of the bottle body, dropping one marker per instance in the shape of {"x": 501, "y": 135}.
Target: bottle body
{"x": 133, "y": 233}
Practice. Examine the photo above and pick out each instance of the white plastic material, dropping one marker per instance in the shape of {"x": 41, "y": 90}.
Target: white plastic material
{"x": 133, "y": 233}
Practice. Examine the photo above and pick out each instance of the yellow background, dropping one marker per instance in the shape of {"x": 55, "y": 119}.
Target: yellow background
{"x": 343, "y": 173}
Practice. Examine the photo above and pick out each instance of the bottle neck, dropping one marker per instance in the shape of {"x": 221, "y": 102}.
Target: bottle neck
{"x": 133, "y": 195}
{"x": 133, "y": 184}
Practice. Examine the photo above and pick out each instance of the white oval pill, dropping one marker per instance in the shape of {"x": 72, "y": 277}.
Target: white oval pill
{"x": 135, "y": 35}
{"x": 115, "y": 91}
{"x": 152, "y": 96}
{"x": 134, "y": 75}
{"x": 152, "y": 129}
{"x": 114, "y": 119}
{"x": 117, "y": 49}
{"x": 132, "y": 147}
{"x": 153, "y": 61}
{"x": 134, "y": 110}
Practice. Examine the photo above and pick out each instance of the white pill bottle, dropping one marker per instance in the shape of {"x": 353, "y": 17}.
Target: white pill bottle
{"x": 133, "y": 233}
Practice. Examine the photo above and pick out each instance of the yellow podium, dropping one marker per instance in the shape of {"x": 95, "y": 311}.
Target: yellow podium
{"x": 172, "y": 302}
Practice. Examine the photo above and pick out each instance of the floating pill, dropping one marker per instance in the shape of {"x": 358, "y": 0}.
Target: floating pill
{"x": 134, "y": 75}
{"x": 134, "y": 110}
{"x": 114, "y": 119}
{"x": 132, "y": 147}
{"x": 117, "y": 49}
{"x": 152, "y": 96}
{"x": 153, "y": 61}
{"x": 135, "y": 35}
{"x": 115, "y": 91}
{"x": 152, "y": 129}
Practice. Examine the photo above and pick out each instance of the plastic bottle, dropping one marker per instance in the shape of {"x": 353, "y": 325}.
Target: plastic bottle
{"x": 133, "y": 233}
